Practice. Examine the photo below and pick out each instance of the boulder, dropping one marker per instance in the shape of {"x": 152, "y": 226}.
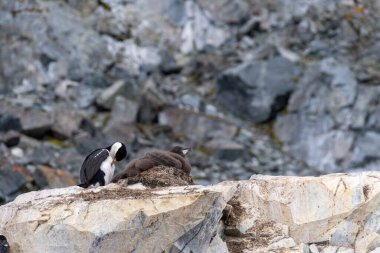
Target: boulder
{"x": 225, "y": 11}
{"x": 323, "y": 115}
{"x": 226, "y": 149}
{"x": 124, "y": 114}
{"x": 107, "y": 97}
{"x": 73, "y": 219}
{"x": 10, "y": 138}
{"x": 36, "y": 123}
{"x": 195, "y": 125}
{"x": 199, "y": 31}
{"x": 9, "y": 122}
{"x": 66, "y": 123}
{"x": 46, "y": 177}
{"x": 252, "y": 90}
{"x": 288, "y": 213}
{"x": 12, "y": 179}
{"x": 332, "y": 213}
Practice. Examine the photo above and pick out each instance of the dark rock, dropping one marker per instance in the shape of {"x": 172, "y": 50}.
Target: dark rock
{"x": 70, "y": 160}
{"x": 88, "y": 126}
{"x": 169, "y": 64}
{"x": 367, "y": 66}
{"x": 46, "y": 177}
{"x": 45, "y": 154}
{"x": 36, "y": 123}
{"x": 196, "y": 126}
{"x": 226, "y": 150}
{"x": 11, "y": 179}
{"x": 10, "y": 138}
{"x": 9, "y": 122}
{"x": 253, "y": 90}
{"x": 86, "y": 143}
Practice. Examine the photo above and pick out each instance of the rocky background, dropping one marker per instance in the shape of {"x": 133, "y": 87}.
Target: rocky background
{"x": 282, "y": 87}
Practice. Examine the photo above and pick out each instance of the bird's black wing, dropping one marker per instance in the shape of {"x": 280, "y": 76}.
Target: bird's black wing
{"x": 92, "y": 164}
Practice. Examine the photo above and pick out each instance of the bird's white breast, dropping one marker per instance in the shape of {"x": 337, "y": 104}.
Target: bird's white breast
{"x": 108, "y": 168}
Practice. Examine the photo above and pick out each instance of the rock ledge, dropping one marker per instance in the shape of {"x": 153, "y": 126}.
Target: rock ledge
{"x": 333, "y": 213}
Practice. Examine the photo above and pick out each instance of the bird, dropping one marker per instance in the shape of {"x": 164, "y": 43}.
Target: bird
{"x": 4, "y": 245}
{"x": 99, "y": 166}
{"x": 176, "y": 158}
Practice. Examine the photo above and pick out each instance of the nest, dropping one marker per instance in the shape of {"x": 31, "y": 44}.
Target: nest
{"x": 159, "y": 176}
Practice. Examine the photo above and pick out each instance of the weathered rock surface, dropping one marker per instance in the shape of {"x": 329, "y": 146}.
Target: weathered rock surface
{"x": 100, "y": 220}
{"x": 257, "y": 89}
{"x": 333, "y": 213}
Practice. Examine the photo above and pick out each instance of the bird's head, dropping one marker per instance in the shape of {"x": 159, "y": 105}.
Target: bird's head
{"x": 180, "y": 150}
{"x": 118, "y": 151}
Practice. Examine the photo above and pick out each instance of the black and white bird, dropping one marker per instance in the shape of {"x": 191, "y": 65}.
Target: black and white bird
{"x": 4, "y": 246}
{"x": 99, "y": 166}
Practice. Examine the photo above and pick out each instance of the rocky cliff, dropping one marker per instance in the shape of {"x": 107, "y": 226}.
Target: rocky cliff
{"x": 333, "y": 213}
{"x": 281, "y": 87}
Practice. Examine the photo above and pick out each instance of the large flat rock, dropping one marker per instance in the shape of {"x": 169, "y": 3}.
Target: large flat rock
{"x": 333, "y": 213}
{"x": 114, "y": 219}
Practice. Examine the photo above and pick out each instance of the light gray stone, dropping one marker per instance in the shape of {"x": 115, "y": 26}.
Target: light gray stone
{"x": 36, "y": 123}
{"x": 107, "y": 97}
{"x": 225, "y": 11}
{"x": 199, "y": 31}
{"x": 366, "y": 148}
{"x": 313, "y": 249}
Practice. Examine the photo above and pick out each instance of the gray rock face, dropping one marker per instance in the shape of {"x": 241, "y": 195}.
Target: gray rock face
{"x": 226, "y": 150}
{"x": 124, "y": 114}
{"x": 224, "y": 11}
{"x": 72, "y": 43}
{"x": 257, "y": 90}
{"x": 318, "y": 106}
{"x": 196, "y": 126}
